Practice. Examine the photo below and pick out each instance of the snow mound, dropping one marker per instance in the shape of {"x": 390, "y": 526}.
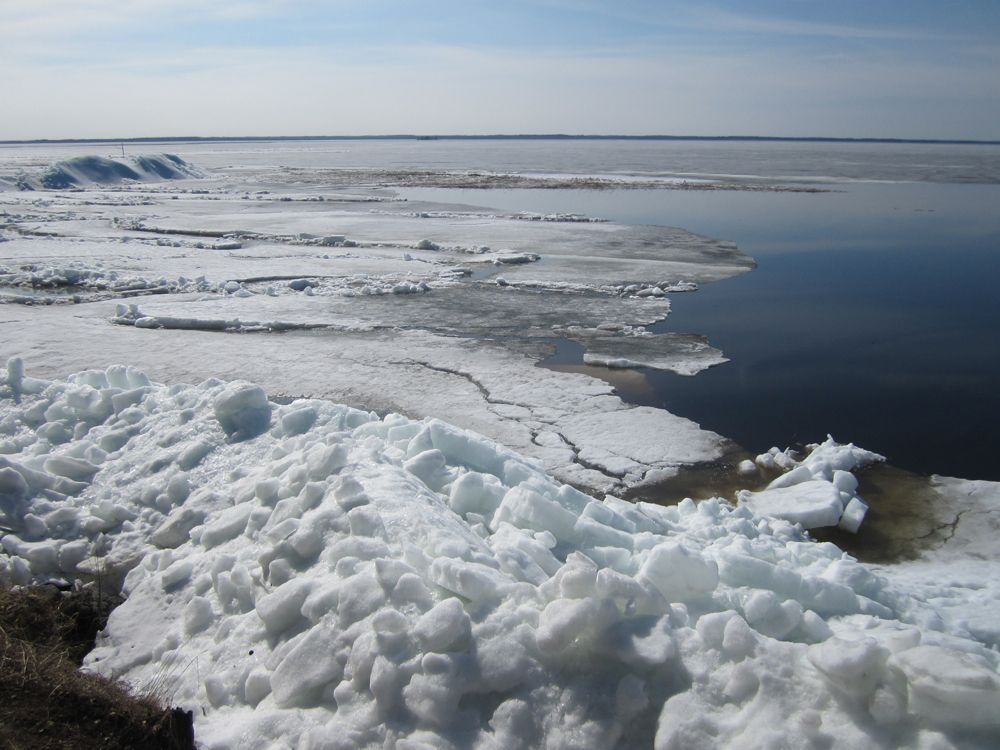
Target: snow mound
{"x": 81, "y": 171}
{"x": 313, "y": 576}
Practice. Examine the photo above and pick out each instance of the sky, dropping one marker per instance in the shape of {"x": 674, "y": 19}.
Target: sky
{"x": 850, "y": 68}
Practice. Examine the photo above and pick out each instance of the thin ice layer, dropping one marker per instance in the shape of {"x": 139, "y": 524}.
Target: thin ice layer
{"x": 377, "y": 301}
{"x": 554, "y": 417}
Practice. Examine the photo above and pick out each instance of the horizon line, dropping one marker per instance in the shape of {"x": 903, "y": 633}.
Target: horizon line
{"x": 505, "y": 136}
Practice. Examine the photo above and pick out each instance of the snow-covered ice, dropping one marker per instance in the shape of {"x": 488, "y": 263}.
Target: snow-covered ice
{"x": 313, "y": 575}
{"x": 84, "y": 171}
{"x": 451, "y": 306}
{"x": 957, "y": 576}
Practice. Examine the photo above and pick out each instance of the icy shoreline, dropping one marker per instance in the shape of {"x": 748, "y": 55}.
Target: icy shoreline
{"x": 316, "y": 575}
{"x": 425, "y": 309}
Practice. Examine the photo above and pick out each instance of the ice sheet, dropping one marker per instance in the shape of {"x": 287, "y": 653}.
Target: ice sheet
{"x": 399, "y": 297}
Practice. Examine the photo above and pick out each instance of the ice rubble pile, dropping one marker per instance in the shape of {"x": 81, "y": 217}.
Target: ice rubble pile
{"x": 85, "y": 278}
{"x": 313, "y": 576}
{"x": 81, "y": 171}
{"x": 816, "y": 492}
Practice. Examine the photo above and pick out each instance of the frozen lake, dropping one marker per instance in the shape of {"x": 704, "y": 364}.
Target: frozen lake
{"x": 801, "y": 162}
{"x": 871, "y": 313}
{"x": 305, "y": 420}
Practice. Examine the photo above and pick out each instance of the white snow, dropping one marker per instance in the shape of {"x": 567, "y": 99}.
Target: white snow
{"x": 818, "y": 491}
{"x": 312, "y": 575}
{"x": 81, "y": 171}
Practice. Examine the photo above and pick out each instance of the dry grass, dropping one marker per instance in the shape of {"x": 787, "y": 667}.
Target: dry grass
{"x": 47, "y": 702}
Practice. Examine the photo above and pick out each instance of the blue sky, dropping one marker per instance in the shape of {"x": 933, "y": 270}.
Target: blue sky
{"x": 109, "y": 68}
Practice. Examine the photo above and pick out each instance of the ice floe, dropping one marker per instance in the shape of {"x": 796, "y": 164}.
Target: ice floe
{"x": 817, "y": 491}
{"x": 685, "y": 354}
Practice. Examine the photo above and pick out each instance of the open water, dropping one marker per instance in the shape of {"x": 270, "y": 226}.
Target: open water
{"x": 873, "y": 314}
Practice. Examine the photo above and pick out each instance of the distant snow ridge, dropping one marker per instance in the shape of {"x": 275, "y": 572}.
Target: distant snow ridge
{"x": 81, "y": 171}
{"x": 312, "y": 576}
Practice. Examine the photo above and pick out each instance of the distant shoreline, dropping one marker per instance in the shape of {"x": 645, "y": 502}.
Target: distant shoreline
{"x": 501, "y": 137}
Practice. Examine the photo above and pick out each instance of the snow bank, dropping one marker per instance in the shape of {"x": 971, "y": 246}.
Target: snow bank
{"x": 313, "y": 576}
{"x": 81, "y": 171}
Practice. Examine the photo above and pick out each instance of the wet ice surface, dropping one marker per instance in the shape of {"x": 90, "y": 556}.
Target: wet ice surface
{"x": 368, "y": 283}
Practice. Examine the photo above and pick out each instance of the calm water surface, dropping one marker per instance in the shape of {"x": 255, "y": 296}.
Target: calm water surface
{"x": 873, "y": 315}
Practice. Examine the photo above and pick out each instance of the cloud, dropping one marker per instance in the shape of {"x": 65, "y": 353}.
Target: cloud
{"x": 721, "y": 20}
{"x": 68, "y": 78}
{"x": 46, "y": 18}
{"x": 699, "y": 16}
{"x": 451, "y": 89}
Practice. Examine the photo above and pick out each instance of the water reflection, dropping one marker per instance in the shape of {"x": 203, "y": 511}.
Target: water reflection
{"x": 872, "y": 315}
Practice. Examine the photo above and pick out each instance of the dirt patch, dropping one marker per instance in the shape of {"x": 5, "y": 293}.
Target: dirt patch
{"x": 47, "y": 702}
